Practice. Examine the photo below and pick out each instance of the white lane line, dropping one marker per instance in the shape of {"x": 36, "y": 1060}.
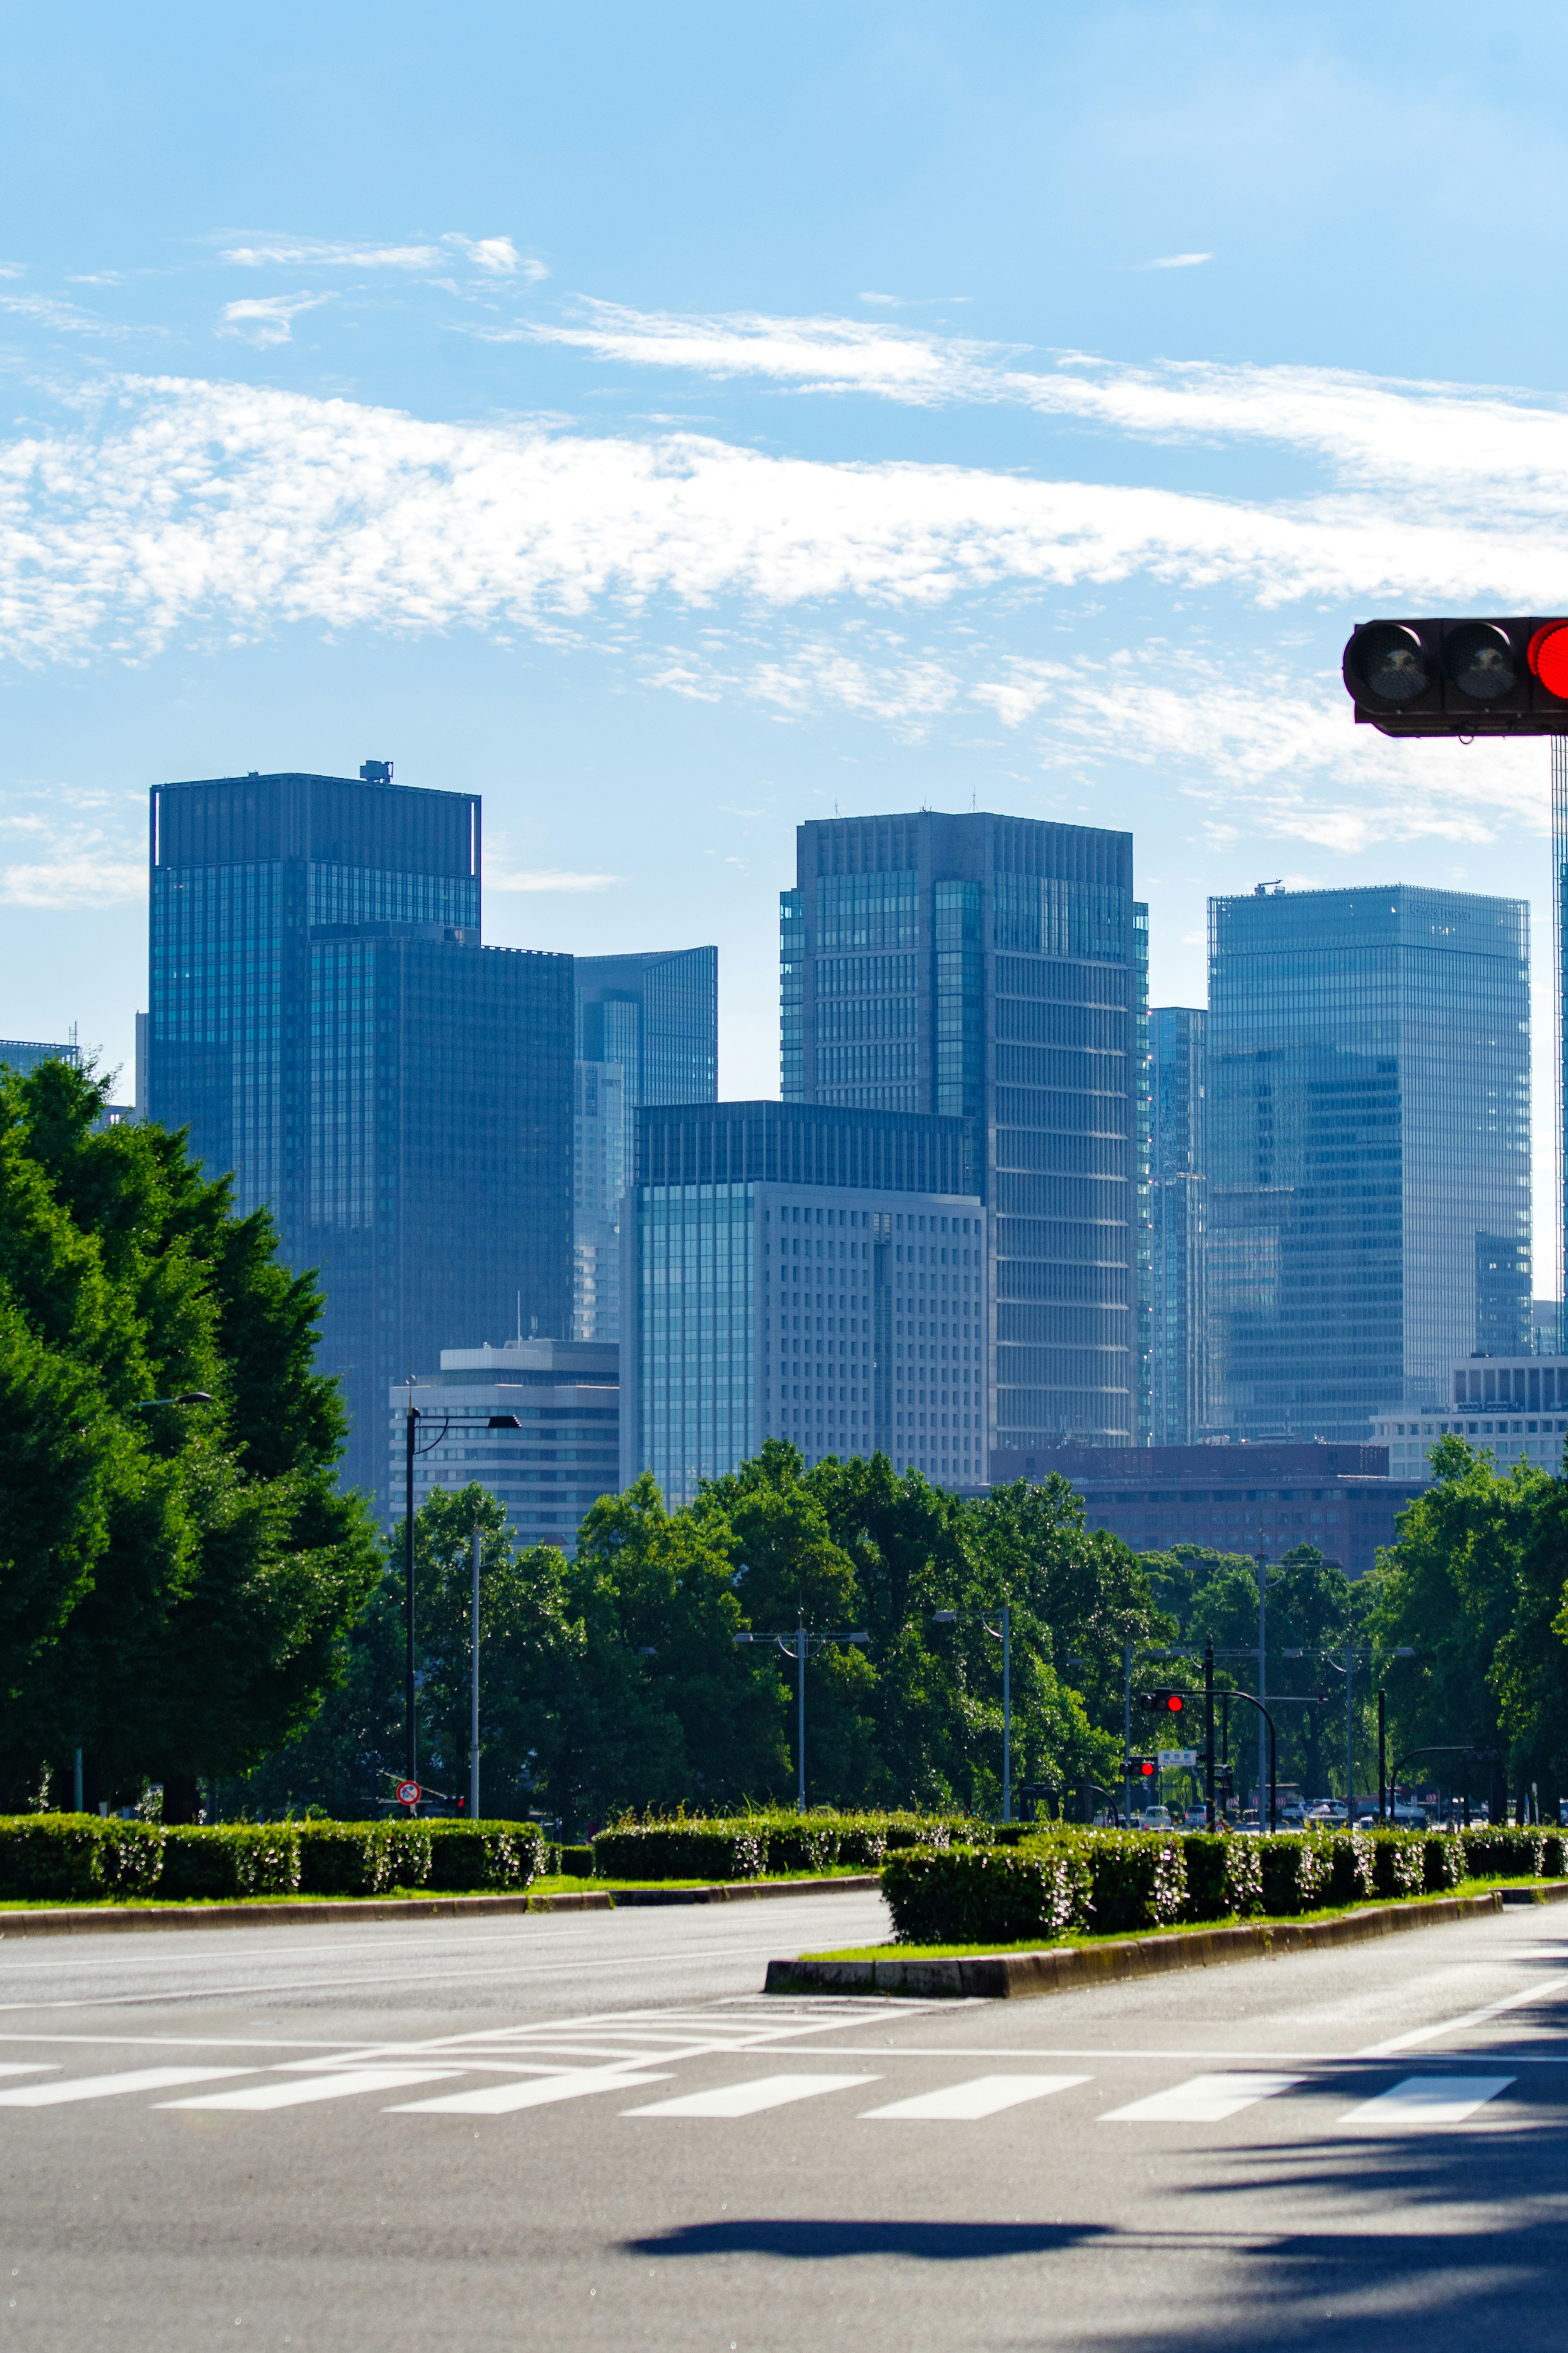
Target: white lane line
{"x": 985, "y": 2095}
{"x": 318, "y": 2088}
{"x": 27, "y": 2066}
{"x": 105, "y": 2087}
{"x": 1538, "y": 1992}
{"x": 750, "y": 2099}
{"x": 503, "y": 2099}
{"x": 1204, "y": 2100}
{"x": 1423, "y": 2101}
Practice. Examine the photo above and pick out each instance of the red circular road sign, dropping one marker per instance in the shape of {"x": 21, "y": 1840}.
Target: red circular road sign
{"x": 408, "y": 1793}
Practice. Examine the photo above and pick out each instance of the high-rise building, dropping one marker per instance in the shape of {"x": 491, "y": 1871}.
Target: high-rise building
{"x": 1367, "y": 1121}
{"x": 1176, "y": 1222}
{"x": 986, "y": 968}
{"x": 25, "y": 1054}
{"x": 806, "y": 1272}
{"x": 549, "y": 1472}
{"x": 325, "y": 1020}
{"x": 648, "y": 1032}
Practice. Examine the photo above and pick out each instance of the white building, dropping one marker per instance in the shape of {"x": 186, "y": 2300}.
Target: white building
{"x": 548, "y": 1474}
{"x": 1515, "y": 1407}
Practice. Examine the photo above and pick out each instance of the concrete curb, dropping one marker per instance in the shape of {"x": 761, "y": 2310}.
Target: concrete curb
{"x": 1062, "y": 1968}
{"x": 111, "y": 1920}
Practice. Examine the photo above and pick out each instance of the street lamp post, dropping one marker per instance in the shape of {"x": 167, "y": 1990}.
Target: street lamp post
{"x": 463, "y": 1422}
{"x": 796, "y": 1645}
{"x": 952, "y": 1618}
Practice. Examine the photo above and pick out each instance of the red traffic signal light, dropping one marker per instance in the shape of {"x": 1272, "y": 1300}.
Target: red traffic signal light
{"x": 1140, "y": 1768}
{"x": 1167, "y": 1702}
{"x": 1457, "y": 677}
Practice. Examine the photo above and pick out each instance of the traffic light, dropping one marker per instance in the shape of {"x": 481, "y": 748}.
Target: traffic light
{"x": 1168, "y": 1702}
{"x": 1141, "y": 1769}
{"x": 1460, "y": 677}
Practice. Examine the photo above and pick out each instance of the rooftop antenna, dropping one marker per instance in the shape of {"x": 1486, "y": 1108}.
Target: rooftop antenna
{"x": 1261, "y": 889}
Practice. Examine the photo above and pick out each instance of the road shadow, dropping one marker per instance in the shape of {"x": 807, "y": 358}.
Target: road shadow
{"x": 813, "y": 2241}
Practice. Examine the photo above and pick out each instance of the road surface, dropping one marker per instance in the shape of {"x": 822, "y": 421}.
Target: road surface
{"x": 592, "y": 2131}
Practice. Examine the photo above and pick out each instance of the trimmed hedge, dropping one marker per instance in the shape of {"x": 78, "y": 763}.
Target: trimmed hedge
{"x": 1121, "y": 1882}
{"x": 83, "y": 1858}
{"x": 750, "y": 1846}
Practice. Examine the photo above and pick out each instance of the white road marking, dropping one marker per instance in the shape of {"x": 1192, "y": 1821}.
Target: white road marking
{"x": 984, "y": 2095}
{"x": 1423, "y": 2101}
{"x": 105, "y": 2087}
{"x": 317, "y": 2087}
{"x": 540, "y": 2092}
{"x": 27, "y": 2066}
{"x": 1539, "y": 1991}
{"x": 749, "y": 2099}
{"x": 1205, "y": 2099}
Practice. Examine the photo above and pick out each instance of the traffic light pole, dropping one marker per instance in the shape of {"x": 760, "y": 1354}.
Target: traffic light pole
{"x": 1127, "y": 1736}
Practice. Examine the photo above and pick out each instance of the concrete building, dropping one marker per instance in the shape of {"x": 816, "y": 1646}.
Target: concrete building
{"x": 806, "y": 1272}
{"x": 1515, "y": 1408}
{"x": 1252, "y": 1499}
{"x": 566, "y": 1395}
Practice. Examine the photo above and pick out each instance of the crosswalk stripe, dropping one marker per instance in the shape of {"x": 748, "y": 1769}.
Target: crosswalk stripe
{"x": 104, "y": 2087}
{"x": 29, "y": 2067}
{"x": 750, "y": 2099}
{"x": 1204, "y": 2100}
{"x": 985, "y": 2095}
{"x": 540, "y": 2092}
{"x": 1421, "y": 2101}
{"x": 295, "y": 2094}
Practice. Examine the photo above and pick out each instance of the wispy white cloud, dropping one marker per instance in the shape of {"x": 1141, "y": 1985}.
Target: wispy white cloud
{"x": 267, "y": 319}
{"x": 1177, "y": 261}
{"x": 45, "y": 861}
{"x": 180, "y": 501}
{"x": 68, "y": 318}
{"x": 496, "y": 255}
{"x": 296, "y": 253}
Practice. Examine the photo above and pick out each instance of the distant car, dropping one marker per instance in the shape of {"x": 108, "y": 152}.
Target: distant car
{"x": 1413, "y": 1817}
{"x": 1152, "y": 1818}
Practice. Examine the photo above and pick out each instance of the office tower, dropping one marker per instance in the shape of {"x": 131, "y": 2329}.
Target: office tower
{"x": 1144, "y": 1220}
{"x": 1176, "y": 1222}
{"x": 647, "y": 1031}
{"x": 323, "y": 1018}
{"x": 25, "y": 1054}
{"x": 1367, "y": 1122}
{"x": 807, "y": 1273}
{"x": 986, "y": 968}
{"x": 602, "y": 1140}
{"x": 566, "y": 1394}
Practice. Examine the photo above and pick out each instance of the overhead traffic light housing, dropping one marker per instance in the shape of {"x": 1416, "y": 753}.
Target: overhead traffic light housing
{"x": 1167, "y": 1703}
{"x": 1460, "y": 677}
{"x": 1141, "y": 1769}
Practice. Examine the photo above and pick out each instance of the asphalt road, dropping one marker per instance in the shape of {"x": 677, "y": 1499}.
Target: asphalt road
{"x": 592, "y": 2131}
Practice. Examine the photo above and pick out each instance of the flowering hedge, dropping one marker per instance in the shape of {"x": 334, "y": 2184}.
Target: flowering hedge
{"x": 83, "y": 1858}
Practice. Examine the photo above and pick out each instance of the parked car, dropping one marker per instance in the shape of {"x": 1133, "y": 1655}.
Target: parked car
{"x": 1152, "y": 1818}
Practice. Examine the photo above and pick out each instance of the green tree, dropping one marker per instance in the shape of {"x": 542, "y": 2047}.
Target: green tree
{"x": 181, "y": 1602}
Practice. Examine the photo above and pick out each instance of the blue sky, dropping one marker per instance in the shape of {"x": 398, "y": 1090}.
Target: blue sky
{"x": 674, "y": 423}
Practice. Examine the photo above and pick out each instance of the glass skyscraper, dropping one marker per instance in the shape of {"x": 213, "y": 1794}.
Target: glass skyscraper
{"x": 806, "y": 1272}
{"x": 325, "y": 1020}
{"x": 1176, "y": 1223}
{"x": 1368, "y": 1151}
{"x": 988, "y": 969}
{"x": 648, "y": 1032}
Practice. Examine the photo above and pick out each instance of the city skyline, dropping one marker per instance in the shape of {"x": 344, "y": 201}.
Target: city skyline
{"x": 937, "y": 463}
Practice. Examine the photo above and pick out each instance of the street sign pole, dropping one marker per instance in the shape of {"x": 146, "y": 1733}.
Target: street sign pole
{"x": 1208, "y": 1735}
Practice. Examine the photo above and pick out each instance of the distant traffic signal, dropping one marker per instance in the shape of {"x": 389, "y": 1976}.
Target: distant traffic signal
{"x": 1460, "y": 677}
{"x": 1141, "y": 1769}
{"x": 1168, "y": 1702}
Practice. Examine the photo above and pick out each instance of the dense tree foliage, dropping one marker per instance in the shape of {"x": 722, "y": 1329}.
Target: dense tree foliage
{"x": 175, "y": 1582}
{"x": 616, "y": 1680}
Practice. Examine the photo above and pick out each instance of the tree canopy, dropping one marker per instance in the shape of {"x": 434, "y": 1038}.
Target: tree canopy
{"x": 176, "y": 1582}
